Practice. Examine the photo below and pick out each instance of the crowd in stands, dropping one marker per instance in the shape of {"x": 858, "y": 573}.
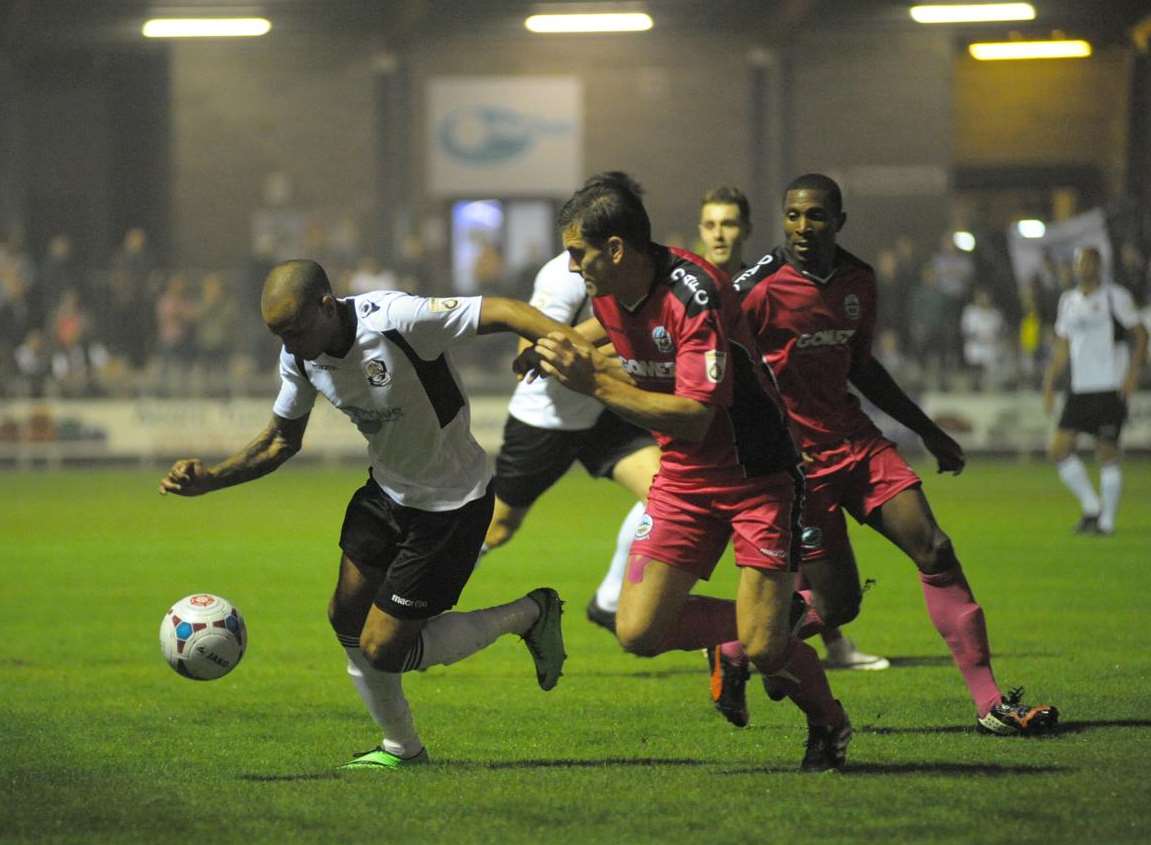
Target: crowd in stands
{"x": 949, "y": 320}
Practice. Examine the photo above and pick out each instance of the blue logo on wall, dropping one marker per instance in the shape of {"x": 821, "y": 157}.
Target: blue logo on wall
{"x": 493, "y": 134}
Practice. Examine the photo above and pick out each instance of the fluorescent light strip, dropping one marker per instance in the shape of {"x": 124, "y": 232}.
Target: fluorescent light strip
{"x": 206, "y": 27}
{"x": 606, "y": 22}
{"x": 973, "y": 13}
{"x": 1003, "y": 50}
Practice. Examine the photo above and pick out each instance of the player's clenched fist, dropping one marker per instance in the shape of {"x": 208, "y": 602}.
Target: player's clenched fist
{"x": 187, "y": 477}
{"x": 572, "y": 362}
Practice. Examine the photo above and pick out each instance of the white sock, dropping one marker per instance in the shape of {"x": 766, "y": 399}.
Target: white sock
{"x": 607, "y": 595}
{"x": 383, "y": 694}
{"x": 450, "y": 637}
{"x": 1074, "y": 475}
{"x": 1110, "y": 486}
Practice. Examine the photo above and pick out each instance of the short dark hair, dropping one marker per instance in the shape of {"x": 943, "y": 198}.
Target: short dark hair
{"x": 727, "y": 195}
{"x": 618, "y": 177}
{"x": 817, "y": 182}
{"x": 608, "y": 204}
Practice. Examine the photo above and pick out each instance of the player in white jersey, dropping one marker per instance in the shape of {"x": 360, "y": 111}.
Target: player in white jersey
{"x": 1094, "y": 328}
{"x": 549, "y": 427}
{"x": 412, "y": 533}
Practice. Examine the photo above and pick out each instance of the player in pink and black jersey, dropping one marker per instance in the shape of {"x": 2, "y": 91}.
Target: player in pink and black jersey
{"x": 812, "y": 307}
{"x": 688, "y": 371}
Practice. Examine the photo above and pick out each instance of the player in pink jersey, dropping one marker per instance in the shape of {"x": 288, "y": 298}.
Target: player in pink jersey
{"x": 687, "y": 370}
{"x": 812, "y": 307}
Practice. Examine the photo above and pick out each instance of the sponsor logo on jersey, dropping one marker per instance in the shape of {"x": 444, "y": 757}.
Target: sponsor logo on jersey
{"x": 367, "y": 308}
{"x": 437, "y": 304}
{"x": 662, "y": 339}
{"x": 691, "y": 282}
{"x": 827, "y": 337}
{"x": 851, "y": 306}
{"x": 377, "y": 373}
{"x": 751, "y": 271}
{"x": 649, "y": 369}
{"x": 371, "y": 421}
{"x": 400, "y": 600}
{"x": 716, "y": 363}
{"x": 646, "y": 524}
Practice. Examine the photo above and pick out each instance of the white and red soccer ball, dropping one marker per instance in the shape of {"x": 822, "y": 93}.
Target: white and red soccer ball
{"x": 203, "y": 637}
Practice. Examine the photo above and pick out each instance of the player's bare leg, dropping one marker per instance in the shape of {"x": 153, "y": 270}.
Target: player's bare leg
{"x": 506, "y": 521}
{"x": 835, "y": 594}
{"x": 657, "y": 612}
{"x": 908, "y": 522}
{"x": 1074, "y": 476}
{"x": 763, "y": 607}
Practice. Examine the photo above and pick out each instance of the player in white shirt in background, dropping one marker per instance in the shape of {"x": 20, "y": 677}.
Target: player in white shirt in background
{"x": 412, "y": 533}
{"x": 724, "y": 226}
{"x": 1099, "y": 333}
{"x": 549, "y": 427}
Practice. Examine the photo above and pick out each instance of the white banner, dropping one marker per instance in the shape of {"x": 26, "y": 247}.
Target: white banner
{"x": 498, "y": 136}
{"x": 1059, "y": 242}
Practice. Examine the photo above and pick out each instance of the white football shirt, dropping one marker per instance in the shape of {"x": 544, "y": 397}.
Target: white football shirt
{"x": 1098, "y": 362}
{"x": 399, "y": 387}
{"x": 545, "y": 403}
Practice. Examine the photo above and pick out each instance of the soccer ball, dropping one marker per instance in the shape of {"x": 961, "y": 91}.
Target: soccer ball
{"x": 203, "y": 637}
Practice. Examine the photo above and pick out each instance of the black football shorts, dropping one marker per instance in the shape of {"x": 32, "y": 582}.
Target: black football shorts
{"x": 533, "y": 459}
{"x": 1099, "y": 414}
{"x": 427, "y": 556}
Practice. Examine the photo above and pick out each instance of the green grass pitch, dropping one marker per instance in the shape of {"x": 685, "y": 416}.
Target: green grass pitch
{"x": 101, "y": 742}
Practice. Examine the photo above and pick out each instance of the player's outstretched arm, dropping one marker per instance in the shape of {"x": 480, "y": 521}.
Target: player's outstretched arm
{"x": 272, "y": 447}
{"x": 500, "y": 314}
{"x": 583, "y": 368}
{"x": 876, "y": 384}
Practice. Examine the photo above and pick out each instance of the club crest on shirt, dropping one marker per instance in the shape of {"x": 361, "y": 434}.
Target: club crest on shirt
{"x": 851, "y": 306}
{"x": 643, "y": 530}
{"x": 662, "y": 339}
{"x": 716, "y": 363}
{"x": 377, "y": 373}
{"x": 367, "y": 308}
{"x": 437, "y": 304}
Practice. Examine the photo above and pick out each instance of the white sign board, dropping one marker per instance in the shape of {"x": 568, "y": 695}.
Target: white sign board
{"x": 498, "y": 136}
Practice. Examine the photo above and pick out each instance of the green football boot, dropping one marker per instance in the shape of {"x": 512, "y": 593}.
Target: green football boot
{"x": 545, "y": 638}
{"x": 377, "y": 758}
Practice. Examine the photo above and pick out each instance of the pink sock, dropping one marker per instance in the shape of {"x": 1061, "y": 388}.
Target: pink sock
{"x": 704, "y": 621}
{"x": 734, "y": 652}
{"x": 805, "y": 683}
{"x": 813, "y": 622}
{"x": 959, "y": 620}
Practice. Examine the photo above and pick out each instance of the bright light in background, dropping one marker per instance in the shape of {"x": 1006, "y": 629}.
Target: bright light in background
{"x": 964, "y": 241}
{"x": 206, "y": 27}
{"x": 605, "y": 22}
{"x": 973, "y": 12}
{"x": 1031, "y": 228}
{"x": 1002, "y": 50}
